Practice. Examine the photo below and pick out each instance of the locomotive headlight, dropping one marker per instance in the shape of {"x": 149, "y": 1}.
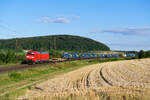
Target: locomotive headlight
{"x": 32, "y": 57}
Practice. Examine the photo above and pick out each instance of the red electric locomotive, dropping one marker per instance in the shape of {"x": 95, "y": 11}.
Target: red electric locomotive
{"x": 37, "y": 57}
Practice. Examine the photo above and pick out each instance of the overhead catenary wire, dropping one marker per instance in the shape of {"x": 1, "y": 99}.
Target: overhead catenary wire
{"x": 16, "y": 44}
{"x": 16, "y": 34}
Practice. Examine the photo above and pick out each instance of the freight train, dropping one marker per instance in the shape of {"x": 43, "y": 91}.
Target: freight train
{"x": 38, "y": 57}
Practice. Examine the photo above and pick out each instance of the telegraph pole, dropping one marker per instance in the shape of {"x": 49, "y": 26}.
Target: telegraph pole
{"x": 49, "y": 43}
{"x": 55, "y": 45}
{"x": 16, "y": 49}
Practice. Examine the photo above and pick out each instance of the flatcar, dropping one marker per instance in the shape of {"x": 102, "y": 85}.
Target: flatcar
{"x": 37, "y": 57}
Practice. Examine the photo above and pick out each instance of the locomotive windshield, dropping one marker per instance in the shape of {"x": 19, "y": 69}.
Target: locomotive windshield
{"x": 30, "y": 53}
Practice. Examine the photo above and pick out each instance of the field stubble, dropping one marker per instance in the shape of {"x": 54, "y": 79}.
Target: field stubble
{"x": 121, "y": 80}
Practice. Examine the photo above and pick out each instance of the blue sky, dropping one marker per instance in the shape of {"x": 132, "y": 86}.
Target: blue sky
{"x": 121, "y": 24}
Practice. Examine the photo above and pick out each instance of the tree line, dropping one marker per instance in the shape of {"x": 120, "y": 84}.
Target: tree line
{"x": 143, "y": 54}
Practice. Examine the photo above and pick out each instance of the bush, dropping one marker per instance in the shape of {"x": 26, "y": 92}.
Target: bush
{"x": 21, "y": 57}
{"x": 15, "y": 75}
{"x": 55, "y": 54}
{"x": 2, "y": 57}
{"x": 141, "y": 54}
{"x": 148, "y": 53}
{"x": 9, "y": 56}
{"x": 1, "y": 62}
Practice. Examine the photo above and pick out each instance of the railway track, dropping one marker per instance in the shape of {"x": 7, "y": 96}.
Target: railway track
{"x": 25, "y": 66}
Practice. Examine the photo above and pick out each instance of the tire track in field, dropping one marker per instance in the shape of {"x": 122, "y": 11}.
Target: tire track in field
{"x": 111, "y": 77}
{"x": 101, "y": 74}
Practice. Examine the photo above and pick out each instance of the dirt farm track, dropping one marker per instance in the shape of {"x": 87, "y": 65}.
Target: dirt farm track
{"x": 120, "y": 80}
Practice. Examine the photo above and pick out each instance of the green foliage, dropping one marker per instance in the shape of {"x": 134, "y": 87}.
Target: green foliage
{"x": 9, "y": 56}
{"x": 55, "y": 54}
{"x": 63, "y": 42}
{"x": 15, "y": 75}
{"x": 46, "y": 43}
{"x": 148, "y": 53}
{"x": 104, "y": 60}
{"x": 141, "y": 54}
{"x": 2, "y": 57}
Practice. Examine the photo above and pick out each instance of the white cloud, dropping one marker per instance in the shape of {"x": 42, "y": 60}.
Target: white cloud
{"x": 126, "y": 31}
{"x": 69, "y": 16}
{"x": 129, "y": 46}
{"x": 58, "y": 19}
{"x": 55, "y": 20}
{"x": 44, "y": 20}
{"x": 61, "y": 20}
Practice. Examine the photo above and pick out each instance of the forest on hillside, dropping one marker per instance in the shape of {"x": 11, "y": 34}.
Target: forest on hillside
{"x": 58, "y": 42}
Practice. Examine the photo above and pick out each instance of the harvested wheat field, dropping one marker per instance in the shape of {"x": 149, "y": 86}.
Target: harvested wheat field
{"x": 120, "y": 80}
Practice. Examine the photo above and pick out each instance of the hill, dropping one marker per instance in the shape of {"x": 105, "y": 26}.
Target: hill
{"x": 63, "y": 42}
